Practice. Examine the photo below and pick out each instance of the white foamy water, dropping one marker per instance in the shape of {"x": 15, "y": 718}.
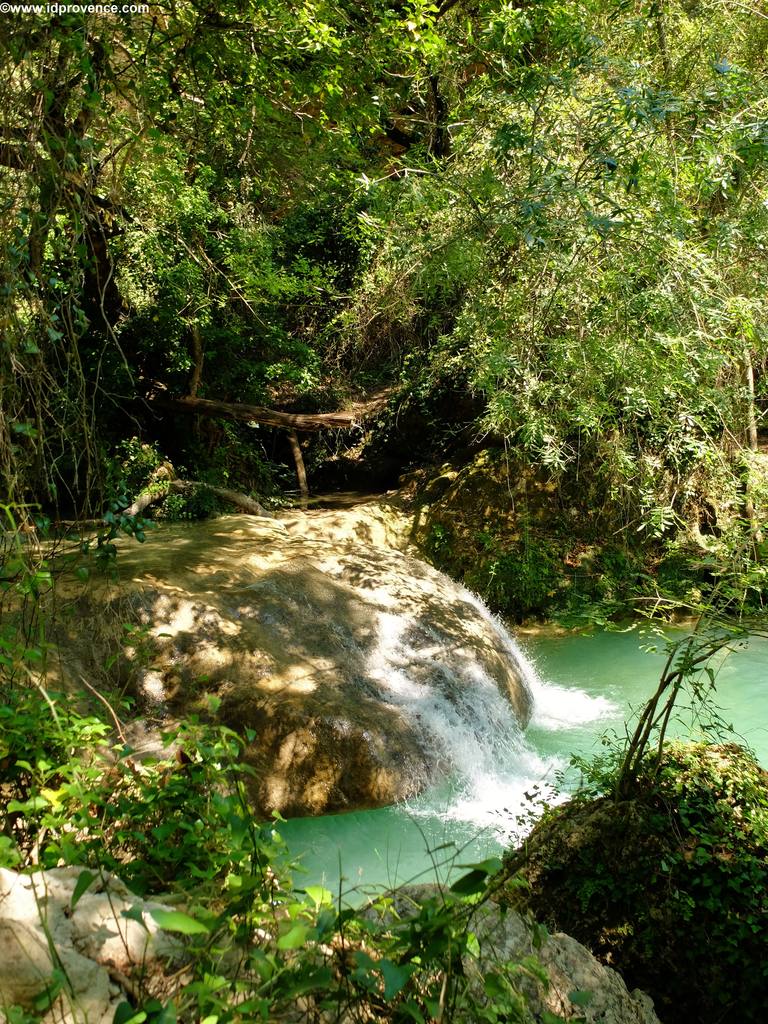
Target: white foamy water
{"x": 556, "y": 708}
{"x": 469, "y": 725}
{"x": 492, "y": 776}
{"x": 459, "y": 710}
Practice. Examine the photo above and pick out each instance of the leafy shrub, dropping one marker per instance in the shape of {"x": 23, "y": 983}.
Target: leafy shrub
{"x": 137, "y": 462}
{"x": 520, "y": 580}
{"x": 200, "y": 503}
{"x": 70, "y": 797}
{"x": 671, "y": 886}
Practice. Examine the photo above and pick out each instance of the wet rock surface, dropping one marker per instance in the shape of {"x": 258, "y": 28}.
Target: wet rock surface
{"x": 346, "y": 660}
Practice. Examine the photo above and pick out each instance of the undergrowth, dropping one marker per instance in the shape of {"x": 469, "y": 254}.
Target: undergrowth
{"x": 182, "y": 824}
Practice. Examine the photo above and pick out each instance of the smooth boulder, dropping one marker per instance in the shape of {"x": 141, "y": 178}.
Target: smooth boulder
{"x": 333, "y": 651}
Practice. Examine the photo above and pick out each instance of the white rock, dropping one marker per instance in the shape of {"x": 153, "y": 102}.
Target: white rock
{"x": 40, "y": 932}
{"x": 504, "y": 937}
{"x": 570, "y": 967}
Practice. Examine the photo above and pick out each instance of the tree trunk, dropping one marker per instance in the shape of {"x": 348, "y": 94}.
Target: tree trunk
{"x": 197, "y": 361}
{"x": 749, "y": 504}
{"x": 749, "y": 381}
{"x": 301, "y": 471}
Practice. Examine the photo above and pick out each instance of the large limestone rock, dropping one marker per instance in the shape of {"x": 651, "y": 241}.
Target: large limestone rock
{"x": 343, "y": 658}
{"x": 571, "y": 969}
{"x": 93, "y": 944}
{"x": 579, "y": 988}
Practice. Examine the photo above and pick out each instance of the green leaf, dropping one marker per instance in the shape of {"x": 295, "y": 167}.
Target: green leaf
{"x": 494, "y": 985}
{"x": 580, "y": 998}
{"x": 395, "y": 977}
{"x": 9, "y": 855}
{"x": 84, "y": 880}
{"x": 134, "y": 914}
{"x": 125, "y": 1014}
{"x": 412, "y": 1010}
{"x": 176, "y": 921}
{"x": 309, "y": 981}
{"x": 45, "y": 1000}
{"x": 293, "y": 938}
{"x": 471, "y": 883}
{"x": 319, "y": 895}
{"x": 35, "y": 803}
{"x": 325, "y": 925}
{"x": 550, "y": 1018}
{"x": 166, "y": 1014}
{"x": 26, "y": 429}
{"x": 491, "y": 865}
{"x": 474, "y": 881}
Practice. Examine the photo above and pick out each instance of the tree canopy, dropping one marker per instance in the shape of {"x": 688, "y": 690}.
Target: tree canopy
{"x": 557, "y": 209}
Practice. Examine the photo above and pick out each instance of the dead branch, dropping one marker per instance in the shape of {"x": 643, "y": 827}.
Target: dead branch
{"x": 256, "y": 414}
{"x": 163, "y": 488}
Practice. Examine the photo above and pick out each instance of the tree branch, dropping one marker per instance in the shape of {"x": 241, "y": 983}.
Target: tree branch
{"x": 162, "y": 489}
{"x": 272, "y": 417}
{"x": 17, "y": 157}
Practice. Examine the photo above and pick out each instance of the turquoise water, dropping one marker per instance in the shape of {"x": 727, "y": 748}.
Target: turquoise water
{"x": 615, "y": 667}
{"x": 584, "y": 686}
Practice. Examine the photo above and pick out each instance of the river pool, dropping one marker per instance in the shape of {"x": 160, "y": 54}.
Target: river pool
{"x": 584, "y": 686}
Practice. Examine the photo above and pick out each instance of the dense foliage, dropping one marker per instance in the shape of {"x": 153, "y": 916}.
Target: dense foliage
{"x": 668, "y": 886}
{"x": 540, "y": 228}
{"x": 543, "y": 225}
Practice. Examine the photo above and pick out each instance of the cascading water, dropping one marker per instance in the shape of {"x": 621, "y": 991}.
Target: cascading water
{"x": 490, "y": 768}
{"x": 365, "y": 676}
{"x": 470, "y": 727}
{"x": 460, "y": 712}
{"x": 362, "y": 675}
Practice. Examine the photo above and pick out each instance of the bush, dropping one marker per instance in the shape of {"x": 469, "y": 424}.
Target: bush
{"x": 71, "y": 797}
{"x": 520, "y": 580}
{"x": 671, "y": 886}
{"x": 199, "y": 503}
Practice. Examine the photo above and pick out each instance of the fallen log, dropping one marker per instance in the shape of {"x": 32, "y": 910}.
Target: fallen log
{"x": 260, "y": 415}
{"x": 161, "y": 489}
{"x": 310, "y": 421}
{"x": 291, "y": 421}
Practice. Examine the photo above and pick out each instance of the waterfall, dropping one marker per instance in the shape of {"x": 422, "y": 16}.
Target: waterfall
{"x": 361, "y": 675}
{"x": 468, "y": 725}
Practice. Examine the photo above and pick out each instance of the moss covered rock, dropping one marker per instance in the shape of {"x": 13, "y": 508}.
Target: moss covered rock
{"x": 670, "y": 887}
{"x": 520, "y": 538}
